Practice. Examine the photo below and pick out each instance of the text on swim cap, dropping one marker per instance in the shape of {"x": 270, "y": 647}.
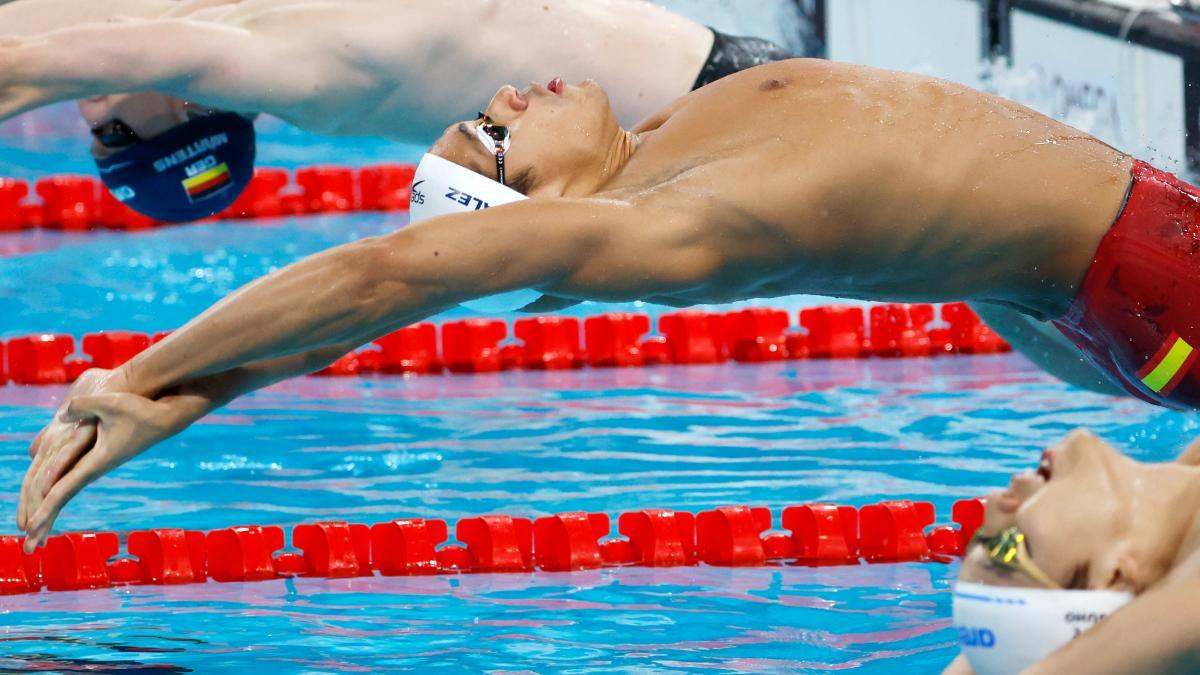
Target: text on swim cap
{"x": 976, "y": 637}
{"x": 201, "y": 166}
{"x": 190, "y": 151}
{"x": 123, "y": 193}
{"x": 460, "y": 197}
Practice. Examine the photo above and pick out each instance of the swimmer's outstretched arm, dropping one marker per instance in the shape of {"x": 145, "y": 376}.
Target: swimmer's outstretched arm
{"x": 29, "y": 17}
{"x": 222, "y": 66}
{"x": 286, "y": 323}
{"x": 397, "y": 68}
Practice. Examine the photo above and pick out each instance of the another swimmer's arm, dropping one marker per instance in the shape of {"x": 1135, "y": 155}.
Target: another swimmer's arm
{"x": 29, "y": 17}
{"x": 1049, "y": 349}
{"x": 221, "y": 66}
{"x": 1156, "y": 634}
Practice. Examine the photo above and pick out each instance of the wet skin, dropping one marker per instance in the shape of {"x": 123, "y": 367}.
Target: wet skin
{"x": 796, "y": 177}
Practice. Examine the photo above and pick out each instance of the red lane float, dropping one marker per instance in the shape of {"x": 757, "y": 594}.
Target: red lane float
{"x": 19, "y": 573}
{"x": 112, "y": 349}
{"x": 731, "y": 536}
{"x": 334, "y": 549}
{"x": 473, "y": 345}
{"x": 969, "y": 332}
{"x": 613, "y": 340}
{"x": 327, "y": 189}
{"x": 169, "y": 556}
{"x": 243, "y": 553}
{"x": 569, "y": 541}
{"x": 549, "y": 342}
{"x": 660, "y": 537}
{"x": 68, "y": 202}
{"x": 894, "y": 531}
{"x": 821, "y": 534}
{"x": 262, "y": 198}
{"x": 900, "y": 330}
{"x": 12, "y": 193}
{"x": 755, "y": 335}
{"x": 497, "y": 543}
{"x": 413, "y": 349}
{"x": 39, "y": 359}
{"x": 693, "y": 337}
{"x": 835, "y": 332}
{"x": 407, "y": 547}
{"x": 552, "y": 342}
{"x": 387, "y": 187}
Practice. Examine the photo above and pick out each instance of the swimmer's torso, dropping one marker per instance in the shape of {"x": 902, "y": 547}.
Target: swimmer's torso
{"x": 816, "y": 177}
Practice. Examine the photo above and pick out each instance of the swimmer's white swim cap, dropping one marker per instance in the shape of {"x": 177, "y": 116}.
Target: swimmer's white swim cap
{"x": 441, "y": 187}
{"x": 1004, "y": 630}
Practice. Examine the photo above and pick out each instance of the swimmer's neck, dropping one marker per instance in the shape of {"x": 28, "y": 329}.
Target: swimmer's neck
{"x": 592, "y": 178}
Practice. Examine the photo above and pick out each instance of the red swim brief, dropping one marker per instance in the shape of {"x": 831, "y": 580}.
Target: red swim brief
{"x": 1137, "y": 316}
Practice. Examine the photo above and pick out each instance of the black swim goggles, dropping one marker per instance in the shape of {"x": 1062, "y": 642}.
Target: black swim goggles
{"x": 115, "y": 134}
{"x": 496, "y": 138}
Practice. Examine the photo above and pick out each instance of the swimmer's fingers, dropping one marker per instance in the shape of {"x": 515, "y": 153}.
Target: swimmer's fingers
{"x": 58, "y": 462}
{"x": 87, "y": 470}
{"x": 23, "y": 510}
{"x": 37, "y": 480}
{"x": 124, "y": 426}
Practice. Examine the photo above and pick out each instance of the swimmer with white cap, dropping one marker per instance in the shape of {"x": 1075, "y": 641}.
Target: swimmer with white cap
{"x": 170, "y": 87}
{"x": 801, "y": 176}
{"x": 1092, "y": 534}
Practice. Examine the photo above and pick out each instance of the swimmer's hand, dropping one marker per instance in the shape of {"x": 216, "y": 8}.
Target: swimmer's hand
{"x": 58, "y": 436}
{"x": 111, "y": 428}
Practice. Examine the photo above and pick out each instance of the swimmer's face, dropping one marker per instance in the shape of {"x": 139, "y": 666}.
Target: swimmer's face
{"x": 1093, "y": 518}
{"x": 557, "y": 135}
{"x": 145, "y": 114}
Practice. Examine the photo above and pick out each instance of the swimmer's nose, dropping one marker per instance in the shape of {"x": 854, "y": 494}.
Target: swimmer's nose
{"x": 508, "y": 99}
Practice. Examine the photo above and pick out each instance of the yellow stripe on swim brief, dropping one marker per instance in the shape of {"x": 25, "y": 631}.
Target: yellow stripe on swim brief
{"x": 1166, "y": 370}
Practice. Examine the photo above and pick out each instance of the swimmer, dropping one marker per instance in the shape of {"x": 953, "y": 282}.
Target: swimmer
{"x": 170, "y": 88}
{"x": 801, "y": 176}
{"x": 1091, "y": 534}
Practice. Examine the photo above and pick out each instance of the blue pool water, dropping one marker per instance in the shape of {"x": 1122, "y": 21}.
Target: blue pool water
{"x": 523, "y": 443}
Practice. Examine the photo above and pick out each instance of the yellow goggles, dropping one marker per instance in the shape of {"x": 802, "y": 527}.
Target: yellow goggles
{"x": 1008, "y": 550}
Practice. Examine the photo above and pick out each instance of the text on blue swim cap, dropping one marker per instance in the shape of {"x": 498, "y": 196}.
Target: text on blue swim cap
{"x": 976, "y": 637}
{"x": 460, "y": 197}
{"x": 191, "y": 151}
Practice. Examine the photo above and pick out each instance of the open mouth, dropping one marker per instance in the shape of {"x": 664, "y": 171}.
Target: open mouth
{"x": 1045, "y": 466}
{"x": 556, "y": 85}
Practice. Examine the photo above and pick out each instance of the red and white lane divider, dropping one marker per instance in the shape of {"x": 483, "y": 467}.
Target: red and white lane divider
{"x": 817, "y": 534}
{"x": 553, "y": 342}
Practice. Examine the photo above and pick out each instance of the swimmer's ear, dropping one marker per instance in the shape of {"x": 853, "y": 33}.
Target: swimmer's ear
{"x": 1191, "y": 454}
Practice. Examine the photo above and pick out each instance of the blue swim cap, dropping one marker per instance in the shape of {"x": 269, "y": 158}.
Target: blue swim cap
{"x": 191, "y": 172}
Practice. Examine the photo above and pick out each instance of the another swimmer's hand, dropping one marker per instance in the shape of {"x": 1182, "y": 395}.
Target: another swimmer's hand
{"x": 120, "y": 426}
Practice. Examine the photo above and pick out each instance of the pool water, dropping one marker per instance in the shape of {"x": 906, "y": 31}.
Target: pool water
{"x": 522, "y": 443}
